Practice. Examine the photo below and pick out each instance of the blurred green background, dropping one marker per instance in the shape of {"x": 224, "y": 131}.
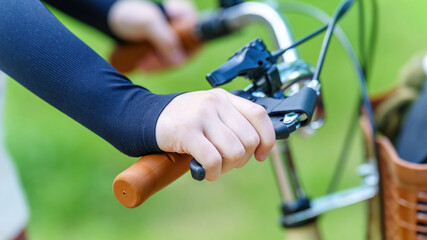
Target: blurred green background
{"x": 67, "y": 171}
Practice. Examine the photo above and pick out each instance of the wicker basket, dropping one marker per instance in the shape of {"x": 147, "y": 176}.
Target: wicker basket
{"x": 404, "y": 194}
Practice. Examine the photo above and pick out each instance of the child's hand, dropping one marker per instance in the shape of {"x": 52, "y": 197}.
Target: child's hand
{"x": 220, "y": 130}
{"x": 139, "y": 21}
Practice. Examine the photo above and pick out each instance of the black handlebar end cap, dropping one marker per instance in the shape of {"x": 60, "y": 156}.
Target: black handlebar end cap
{"x": 197, "y": 171}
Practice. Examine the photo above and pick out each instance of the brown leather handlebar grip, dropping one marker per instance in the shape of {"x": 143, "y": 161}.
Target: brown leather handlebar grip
{"x": 125, "y": 56}
{"x": 149, "y": 175}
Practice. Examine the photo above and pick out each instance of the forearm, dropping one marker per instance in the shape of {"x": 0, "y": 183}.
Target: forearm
{"x": 41, "y": 54}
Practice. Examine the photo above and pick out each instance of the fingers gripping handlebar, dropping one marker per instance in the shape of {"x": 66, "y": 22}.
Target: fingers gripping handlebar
{"x": 153, "y": 172}
{"x": 256, "y": 63}
{"x": 287, "y": 116}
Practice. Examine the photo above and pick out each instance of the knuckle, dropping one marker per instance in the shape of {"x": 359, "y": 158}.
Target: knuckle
{"x": 252, "y": 141}
{"x": 259, "y": 111}
{"x": 269, "y": 143}
{"x": 212, "y": 168}
{"x": 212, "y": 178}
{"x": 210, "y": 97}
{"x": 237, "y": 155}
{"x": 242, "y": 163}
{"x": 212, "y": 164}
{"x": 219, "y": 90}
{"x": 221, "y": 93}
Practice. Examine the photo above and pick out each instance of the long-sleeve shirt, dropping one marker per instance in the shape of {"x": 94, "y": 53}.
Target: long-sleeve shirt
{"x": 45, "y": 57}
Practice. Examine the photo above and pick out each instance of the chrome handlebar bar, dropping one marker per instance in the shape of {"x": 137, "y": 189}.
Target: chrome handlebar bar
{"x": 255, "y": 12}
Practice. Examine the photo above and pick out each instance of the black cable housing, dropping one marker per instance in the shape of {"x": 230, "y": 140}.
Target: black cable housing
{"x": 342, "y": 9}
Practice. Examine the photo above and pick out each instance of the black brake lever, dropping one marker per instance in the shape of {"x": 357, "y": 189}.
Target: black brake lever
{"x": 286, "y": 115}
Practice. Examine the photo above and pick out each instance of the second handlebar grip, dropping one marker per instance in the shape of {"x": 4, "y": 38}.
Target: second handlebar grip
{"x": 147, "y": 176}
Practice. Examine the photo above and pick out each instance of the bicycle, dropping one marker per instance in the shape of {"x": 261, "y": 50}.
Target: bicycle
{"x": 284, "y": 81}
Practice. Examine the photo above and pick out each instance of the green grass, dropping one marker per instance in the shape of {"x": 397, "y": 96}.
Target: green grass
{"x": 67, "y": 171}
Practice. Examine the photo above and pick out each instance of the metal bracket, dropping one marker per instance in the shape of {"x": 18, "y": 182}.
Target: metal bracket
{"x": 367, "y": 190}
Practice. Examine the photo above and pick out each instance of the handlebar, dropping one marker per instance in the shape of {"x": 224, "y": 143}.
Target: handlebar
{"x": 147, "y": 176}
{"x": 153, "y": 172}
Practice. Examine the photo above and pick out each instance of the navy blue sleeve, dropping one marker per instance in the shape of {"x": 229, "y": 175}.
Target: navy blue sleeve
{"x": 91, "y": 12}
{"x": 42, "y": 55}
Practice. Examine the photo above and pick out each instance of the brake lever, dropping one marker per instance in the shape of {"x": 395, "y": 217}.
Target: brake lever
{"x": 287, "y": 115}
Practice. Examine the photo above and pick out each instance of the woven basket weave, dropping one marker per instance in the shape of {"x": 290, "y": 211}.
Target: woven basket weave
{"x": 404, "y": 194}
